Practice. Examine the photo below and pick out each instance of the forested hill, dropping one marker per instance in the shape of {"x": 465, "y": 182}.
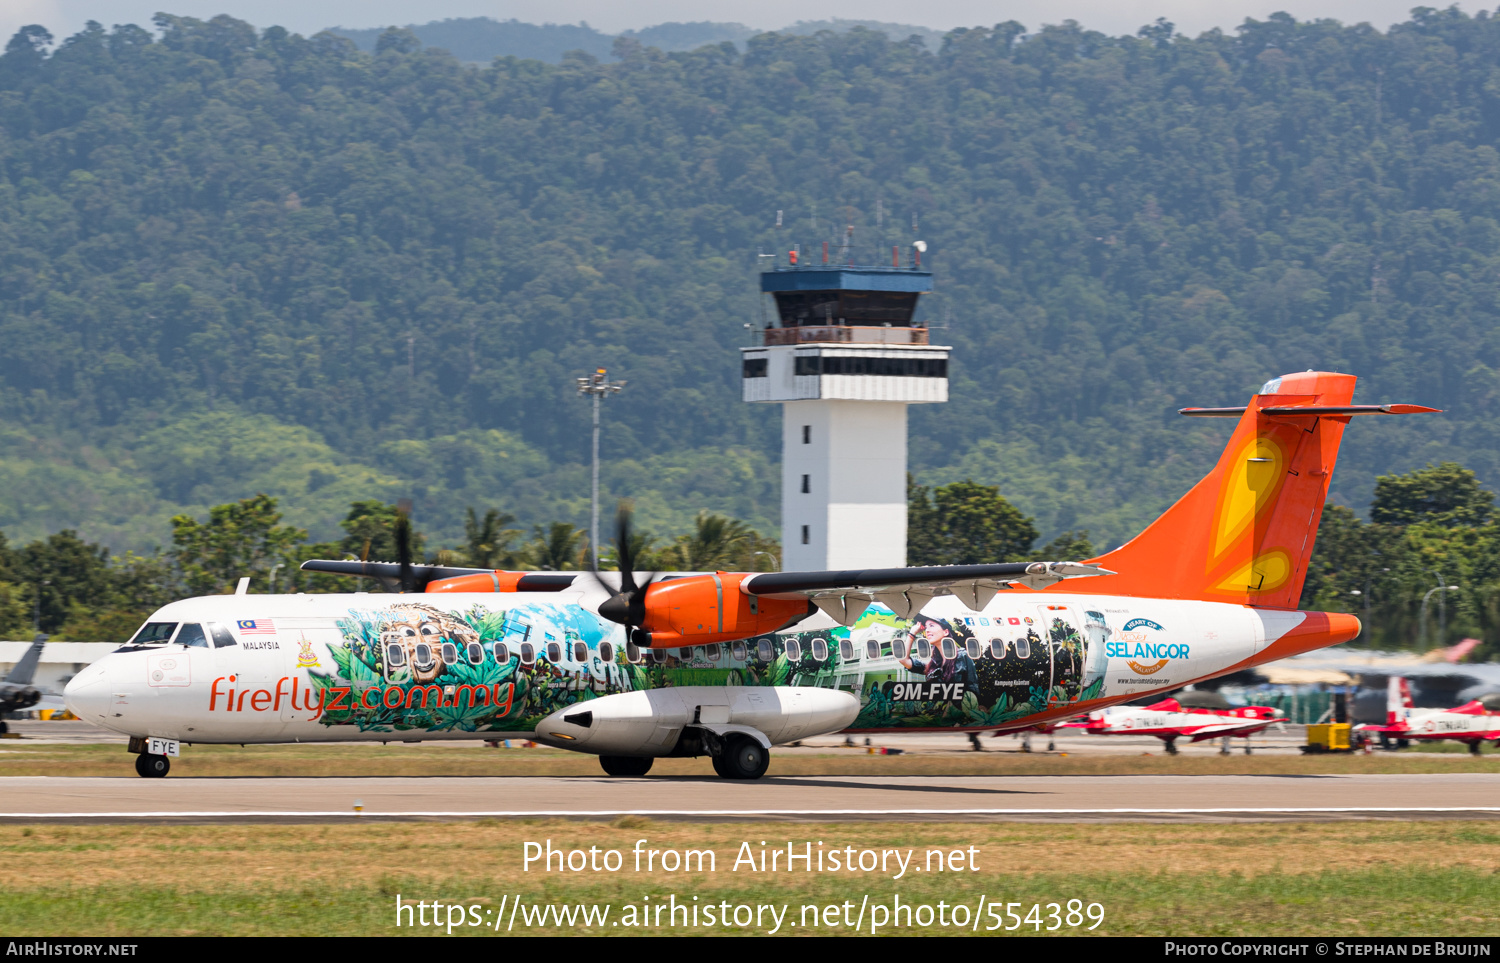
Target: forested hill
{"x": 236, "y": 261}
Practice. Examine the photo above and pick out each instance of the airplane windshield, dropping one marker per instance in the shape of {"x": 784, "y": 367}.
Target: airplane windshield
{"x": 192, "y": 634}
{"x": 154, "y": 633}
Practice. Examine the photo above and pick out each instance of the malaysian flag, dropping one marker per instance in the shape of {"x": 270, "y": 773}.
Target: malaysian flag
{"x": 256, "y": 627}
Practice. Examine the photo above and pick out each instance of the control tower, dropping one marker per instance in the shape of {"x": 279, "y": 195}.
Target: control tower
{"x": 844, "y": 359}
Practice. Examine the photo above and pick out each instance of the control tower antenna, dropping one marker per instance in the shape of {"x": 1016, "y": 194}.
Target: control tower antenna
{"x": 596, "y": 386}
{"x": 844, "y": 358}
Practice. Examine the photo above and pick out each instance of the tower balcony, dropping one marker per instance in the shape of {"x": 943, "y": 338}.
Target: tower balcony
{"x": 845, "y": 334}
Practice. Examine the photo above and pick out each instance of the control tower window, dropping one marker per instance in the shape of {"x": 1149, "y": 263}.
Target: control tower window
{"x": 755, "y": 368}
{"x": 806, "y": 484}
{"x": 806, "y": 534}
{"x": 807, "y": 434}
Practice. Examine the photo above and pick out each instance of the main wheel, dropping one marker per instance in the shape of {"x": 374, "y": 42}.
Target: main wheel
{"x": 626, "y": 765}
{"x": 743, "y": 758}
{"x": 152, "y": 767}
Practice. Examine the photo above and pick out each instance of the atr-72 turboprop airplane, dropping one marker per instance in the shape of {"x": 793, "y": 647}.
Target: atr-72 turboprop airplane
{"x": 727, "y": 664}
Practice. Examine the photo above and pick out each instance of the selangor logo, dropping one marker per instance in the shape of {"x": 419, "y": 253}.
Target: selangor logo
{"x": 1135, "y": 645}
{"x": 305, "y": 658}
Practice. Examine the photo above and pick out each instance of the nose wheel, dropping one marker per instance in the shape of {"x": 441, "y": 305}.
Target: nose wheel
{"x": 152, "y": 767}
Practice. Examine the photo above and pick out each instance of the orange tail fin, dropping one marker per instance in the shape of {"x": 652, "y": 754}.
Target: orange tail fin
{"x": 1245, "y": 532}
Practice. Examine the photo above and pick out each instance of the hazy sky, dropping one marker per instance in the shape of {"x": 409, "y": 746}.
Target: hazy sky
{"x": 64, "y": 17}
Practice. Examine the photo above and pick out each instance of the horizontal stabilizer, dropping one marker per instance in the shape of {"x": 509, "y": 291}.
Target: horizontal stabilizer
{"x": 1313, "y": 411}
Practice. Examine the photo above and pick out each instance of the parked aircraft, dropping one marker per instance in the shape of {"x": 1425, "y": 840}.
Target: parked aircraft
{"x": 16, "y": 692}
{"x": 1471, "y": 723}
{"x": 726, "y": 664}
{"x": 1192, "y": 715}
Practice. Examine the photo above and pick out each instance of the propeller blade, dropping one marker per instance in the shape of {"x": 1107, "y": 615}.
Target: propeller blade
{"x": 410, "y": 581}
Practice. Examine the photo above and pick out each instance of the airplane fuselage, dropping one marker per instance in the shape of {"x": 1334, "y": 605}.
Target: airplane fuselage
{"x": 383, "y": 668}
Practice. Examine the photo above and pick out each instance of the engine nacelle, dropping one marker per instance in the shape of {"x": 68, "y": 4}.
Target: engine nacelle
{"x": 652, "y": 722}
{"x": 14, "y": 698}
{"x": 701, "y": 609}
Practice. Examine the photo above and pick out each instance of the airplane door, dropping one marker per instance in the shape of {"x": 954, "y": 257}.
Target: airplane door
{"x": 1066, "y": 652}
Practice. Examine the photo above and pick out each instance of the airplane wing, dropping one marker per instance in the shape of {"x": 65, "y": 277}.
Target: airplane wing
{"x": 845, "y": 594}
{"x": 1240, "y": 728}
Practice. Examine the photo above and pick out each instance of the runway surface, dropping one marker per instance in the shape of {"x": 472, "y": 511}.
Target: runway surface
{"x": 1212, "y": 798}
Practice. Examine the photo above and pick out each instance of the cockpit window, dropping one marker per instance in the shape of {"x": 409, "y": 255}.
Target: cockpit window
{"x": 223, "y": 638}
{"x": 154, "y": 633}
{"x": 192, "y": 634}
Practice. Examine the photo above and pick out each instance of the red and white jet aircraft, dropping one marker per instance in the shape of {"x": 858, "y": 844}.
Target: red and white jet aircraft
{"x": 1194, "y": 716}
{"x": 1471, "y": 723}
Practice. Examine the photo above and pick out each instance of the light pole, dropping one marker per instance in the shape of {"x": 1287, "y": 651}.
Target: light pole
{"x": 1442, "y": 609}
{"x": 773, "y": 559}
{"x": 596, "y": 387}
{"x": 36, "y": 616}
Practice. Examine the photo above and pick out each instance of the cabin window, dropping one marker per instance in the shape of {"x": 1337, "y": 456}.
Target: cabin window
{"x": 950, "y": 650}
{"x": 395, "y": 655}
{"x": 154, "y": 633}
{"x": 502, "y": 653}
{"x": 528, "y": 653}
{"x": 476, "y": 653}
{"x": 712, "y": 651}
{"x": 739, "y": 651}
{"x": 997, "y": 649}
{"x": 820, "y": 650}
{"x": 223, "y": 638}
{"x": 1023, "y": 648}
{"x": 685, "y": 653}
{"x": 606, "y": 652}
{"x": 793, "y": 650}
{"x": 872, "y": 649}
{"x": 972, "y": 647}
{"x": 554, "y": 653}
{"x": 898, "y": 648}
{"x": 846, "y": 650}
{"x": 632, "y": 653}
{"x": 658, "y": 655}
{"x": 450, "y": 653}
{"x": 191, "y": 634}
{"x": 580, "y": 651}
{"x": 924, "y": 649}
{"x": 765, "y": 651}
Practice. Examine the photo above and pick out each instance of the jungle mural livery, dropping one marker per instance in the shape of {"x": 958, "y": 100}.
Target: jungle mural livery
{"x": 413, "y": 666}
{"x": 728, "y": 664}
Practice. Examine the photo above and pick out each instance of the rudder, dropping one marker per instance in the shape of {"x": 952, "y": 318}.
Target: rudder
{"x": 1245, "y": 532}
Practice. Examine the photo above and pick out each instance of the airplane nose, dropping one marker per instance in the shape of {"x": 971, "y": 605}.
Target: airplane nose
{"x": 87, "y": 693}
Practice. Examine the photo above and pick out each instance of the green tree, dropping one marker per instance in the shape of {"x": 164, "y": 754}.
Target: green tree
{"x": 488, "y": 542}
{"x": 66, "y": 572}
{"x": 558, "y": 547}
{"x": 1446, "y": 494}
{"x": 370, "y": 532}
{"x": 1070, "y": 546}
{"x": 965, "y": 524}
{"x": 714, "y": 544}
{"x": 238, "y": 539}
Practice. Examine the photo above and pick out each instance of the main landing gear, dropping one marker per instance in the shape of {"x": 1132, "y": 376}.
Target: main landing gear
{"x": 742, "y": 758}
{"x": 152, "y": 767}
{"x": 626, "y": 765}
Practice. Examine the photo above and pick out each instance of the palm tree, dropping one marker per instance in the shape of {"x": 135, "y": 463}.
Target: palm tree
{"x": 489, "y": 541}
{"x": 558, "y": 547}
{"x": 714, "y": 544}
